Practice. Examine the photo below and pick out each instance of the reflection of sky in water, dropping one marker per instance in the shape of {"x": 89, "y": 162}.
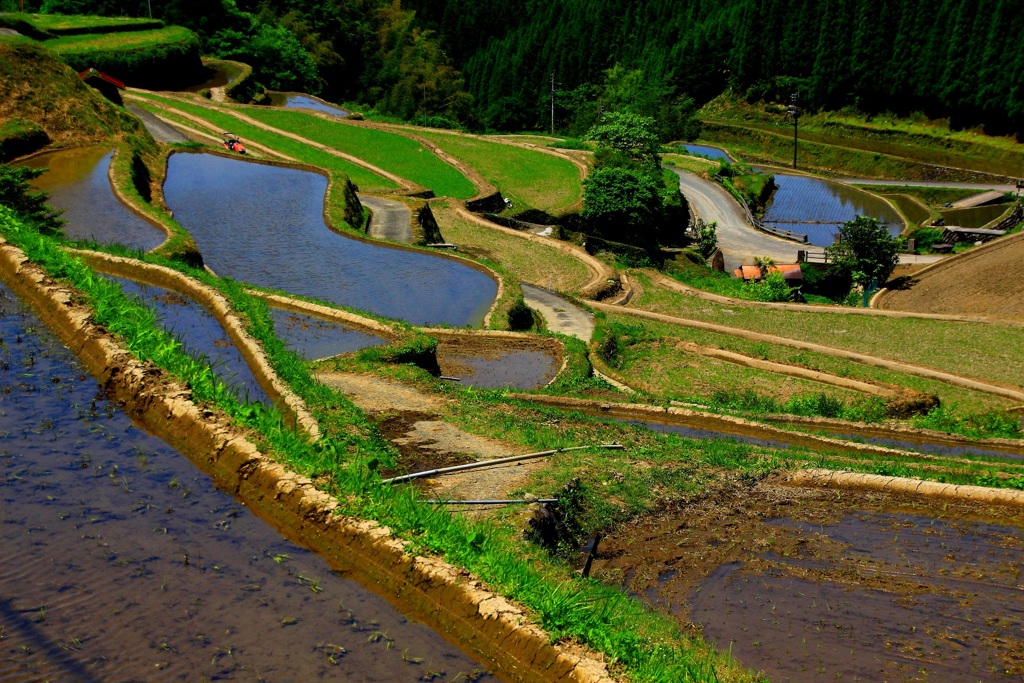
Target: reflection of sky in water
{"x": 709, "y": 152}
{"x": 201, "y": 334}
{"x": 817, "y": 207}
{"x": 313, "y": 338}
{"x": 303, "y": 102}
{"x": 265, "y": 225}
{"x": 78, "y": 183}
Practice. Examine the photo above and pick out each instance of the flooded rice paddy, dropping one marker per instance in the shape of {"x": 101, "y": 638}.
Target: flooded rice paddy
{"x": 489, "y": 366}
{"x": 265, "y": 225}
{"x": 201, "y": 334}
{"x": 314, "y": 339}
{"x": 817, "y": 207}
{"x": 827, "y": 585}
{"x": 976, "y": 217}
{"x": 294, "y": 100}
{"x": 78, "y": 183}
{"x": 715, "y": 153}
{"x": 123, "y": 562}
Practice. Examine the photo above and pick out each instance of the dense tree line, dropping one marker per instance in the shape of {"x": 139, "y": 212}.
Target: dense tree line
{"x": 369, "y": 51}
{"x": 958, "y": 58}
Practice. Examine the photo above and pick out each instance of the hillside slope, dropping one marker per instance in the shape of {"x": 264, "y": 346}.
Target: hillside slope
{"x": 41, "y": 90}
{"x": 984, "y": 282}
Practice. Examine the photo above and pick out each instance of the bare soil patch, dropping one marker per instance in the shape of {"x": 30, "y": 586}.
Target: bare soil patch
{"x": 411, "y": 420}
{"x": 815, "y": 585}
{"x": 984, "y": 284}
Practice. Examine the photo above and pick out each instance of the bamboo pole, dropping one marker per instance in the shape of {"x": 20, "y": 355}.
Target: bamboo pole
{"x": 496, "y": 461}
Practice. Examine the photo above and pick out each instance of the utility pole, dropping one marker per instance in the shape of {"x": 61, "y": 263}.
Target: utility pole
{"x": 552, "y": 102}
{"x": 794, "y": 111}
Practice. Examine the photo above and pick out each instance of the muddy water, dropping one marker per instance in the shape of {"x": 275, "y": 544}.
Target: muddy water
{"x": 976, "y": 217}
{"x": 314, "y": 339}
{"x": 78, "y": 183}
{"x": 918, "y": 446}
{"x": 817, "y": 207}
{"x": 263, "y": 224}
{"x": 122, "y": 562}
{"x": 202, "y": 336}
{"x": 927, "y": 600}
{"x": 821, "y": 585}
{"x": 294, "y": 100}
{"x": 514, "y": 369}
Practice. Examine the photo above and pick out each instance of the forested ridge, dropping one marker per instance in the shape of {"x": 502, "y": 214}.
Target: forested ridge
{"x": 488, "y": 63}
{"x": 958, "y": 58}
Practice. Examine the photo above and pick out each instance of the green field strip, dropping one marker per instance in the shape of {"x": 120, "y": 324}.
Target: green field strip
{"x": 531, "y": 179}
{"x": 390, "y": 151}
{"x": 366, "y": 180}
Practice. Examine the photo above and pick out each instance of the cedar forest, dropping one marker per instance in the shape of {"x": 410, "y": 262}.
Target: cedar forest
{"x": 487, "y": 64}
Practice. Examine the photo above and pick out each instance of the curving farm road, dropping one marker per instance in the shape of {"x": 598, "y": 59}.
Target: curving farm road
{"x": 738, "y": 240}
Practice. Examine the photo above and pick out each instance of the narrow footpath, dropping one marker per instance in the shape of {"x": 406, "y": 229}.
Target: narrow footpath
{"x": 390, "y": 220}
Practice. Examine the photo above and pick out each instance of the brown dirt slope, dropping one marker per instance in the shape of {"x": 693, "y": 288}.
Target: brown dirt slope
{"x": 985, "y": 282}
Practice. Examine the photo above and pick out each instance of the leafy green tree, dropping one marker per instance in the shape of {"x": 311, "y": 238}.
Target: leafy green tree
{"x": 866, "y": 251}
{"x": 772, "y": 288}
{"x": 17, "y": 194}
{"x": 627, "y": 140}
{"x": 707, "y": 237}
{"x": 622, "y": 205}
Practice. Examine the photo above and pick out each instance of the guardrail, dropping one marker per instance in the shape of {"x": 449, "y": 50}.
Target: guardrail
{"x": 759, "y": 225}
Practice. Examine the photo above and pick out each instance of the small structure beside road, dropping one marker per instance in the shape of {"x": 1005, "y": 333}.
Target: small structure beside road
{"x": 108, "y": 86}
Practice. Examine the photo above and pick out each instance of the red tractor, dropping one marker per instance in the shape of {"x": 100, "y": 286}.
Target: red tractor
{"x": 233, "y": 143}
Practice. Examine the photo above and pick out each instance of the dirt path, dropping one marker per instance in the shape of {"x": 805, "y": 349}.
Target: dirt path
{"x": 1006, "y": 391}
{"x": 559, "y": 314}
{"x": 738, "y": 240}
{"x": 160, "y": 131}
{"x": 391, "y": 220}
{"x": 983, "y": 281}
{"x": 410, "y": 420}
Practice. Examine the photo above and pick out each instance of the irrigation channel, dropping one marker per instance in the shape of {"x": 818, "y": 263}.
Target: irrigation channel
{"x": 817, "y": 207}
{"x": 265, "y": 225}
{"x": 78, "y": 183}
{"x": 124, "y": 562}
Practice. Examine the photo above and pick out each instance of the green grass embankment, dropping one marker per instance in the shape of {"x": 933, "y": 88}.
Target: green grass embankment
{"x": 916, "y": 138}
{"x": 44, "y": 26}
{"x": 223, "y": 121}
{"x": 770, "y": 146}
{"x": 932, "y": 343}
{"x": 160, "y": 58}
{"x": 527, "y": 261}
{"x": 531, "y": 179}
{"x": 390, "y": 151}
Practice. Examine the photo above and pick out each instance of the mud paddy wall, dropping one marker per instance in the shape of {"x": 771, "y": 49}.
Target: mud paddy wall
{"x": 444, "y": 597}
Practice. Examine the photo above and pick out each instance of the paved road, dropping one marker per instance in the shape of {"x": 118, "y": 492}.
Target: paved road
{"x": 739, "y": 241}
{"x": 390, "y": 220}
{"x": 924, "y": 183}
{"x": 559, "y": 314}
{"x": 160, "y": 131}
